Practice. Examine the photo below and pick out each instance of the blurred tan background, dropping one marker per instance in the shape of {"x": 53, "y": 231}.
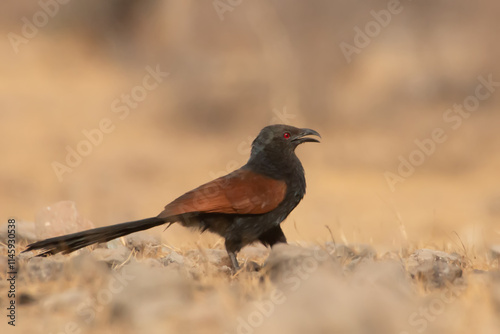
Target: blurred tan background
{"x": 234, "y": 69}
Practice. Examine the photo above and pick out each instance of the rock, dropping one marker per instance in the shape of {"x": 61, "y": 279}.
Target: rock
{"x": 143, "y": 243}
{"x": 25, "y": 256}
{"x": 351, "y": 255}
{"x": 25, "y": 232}
{"x": 340, "y": 250}
{"x": 366, "y": 251}
{"x": 434, "y": 268}
{"x": 59, "y": 219}
{"x": 112, "y": 244}
{"x": 172, "y": 258}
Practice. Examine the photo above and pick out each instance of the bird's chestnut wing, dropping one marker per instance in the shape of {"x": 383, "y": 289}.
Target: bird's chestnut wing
{"x": 240, "y": 192}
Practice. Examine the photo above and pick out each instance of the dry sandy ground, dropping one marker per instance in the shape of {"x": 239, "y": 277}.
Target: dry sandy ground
{"x": 141, "y": 286}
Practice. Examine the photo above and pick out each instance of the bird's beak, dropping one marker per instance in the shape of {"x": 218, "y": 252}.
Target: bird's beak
{"x": 301, "y": 137}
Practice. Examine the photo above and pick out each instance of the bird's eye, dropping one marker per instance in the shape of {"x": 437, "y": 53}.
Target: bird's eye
{"x": 286, "y": 135}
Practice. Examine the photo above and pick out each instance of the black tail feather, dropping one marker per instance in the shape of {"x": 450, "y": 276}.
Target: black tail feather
{"x": 71, "y": 242}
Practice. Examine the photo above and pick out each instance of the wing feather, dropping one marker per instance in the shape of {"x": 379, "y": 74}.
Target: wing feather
{"x": 240, "y": 192}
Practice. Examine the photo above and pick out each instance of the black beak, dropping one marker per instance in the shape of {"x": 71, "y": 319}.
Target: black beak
{"x": 301, "y": 137}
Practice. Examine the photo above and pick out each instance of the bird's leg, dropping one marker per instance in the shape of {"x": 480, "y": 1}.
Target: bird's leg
{"x": 234, "y": 261}
{"x": 232, "y": 247}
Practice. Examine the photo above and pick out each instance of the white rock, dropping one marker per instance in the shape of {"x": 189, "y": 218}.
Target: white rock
{"x": 434, "y": 267}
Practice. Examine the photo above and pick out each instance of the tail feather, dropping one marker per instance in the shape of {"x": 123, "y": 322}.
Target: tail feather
{"x": 71, "y": 242}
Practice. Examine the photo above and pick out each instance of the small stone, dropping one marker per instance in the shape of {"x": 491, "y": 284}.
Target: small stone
{"x": 366, "y": 251}
{"x": 25, "y": 256}
{"x": 112, "y": 244}
{"x": 143, "y": 243}
{"x": 351, "y": 255}
{"x": 172, "y": 258}
{"x": 435, "y": 268}
{"x": 340, "y": 251}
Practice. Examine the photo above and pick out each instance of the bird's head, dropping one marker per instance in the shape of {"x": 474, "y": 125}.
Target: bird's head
{"x": 281, "y": 138}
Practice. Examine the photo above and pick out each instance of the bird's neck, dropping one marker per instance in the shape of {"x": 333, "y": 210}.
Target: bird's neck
{"x": 277, "y": 165}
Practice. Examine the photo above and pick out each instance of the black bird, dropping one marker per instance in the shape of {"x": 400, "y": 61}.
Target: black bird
{"x": 243, "y": 207}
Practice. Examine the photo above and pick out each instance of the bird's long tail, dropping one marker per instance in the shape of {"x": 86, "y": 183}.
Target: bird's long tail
{"x": 71, "y": 242}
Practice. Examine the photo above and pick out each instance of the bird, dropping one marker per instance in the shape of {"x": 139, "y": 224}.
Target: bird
{"x": 244, "y": 206}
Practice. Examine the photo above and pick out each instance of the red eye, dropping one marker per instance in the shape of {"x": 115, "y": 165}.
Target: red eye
{"x": 286, "y": 135}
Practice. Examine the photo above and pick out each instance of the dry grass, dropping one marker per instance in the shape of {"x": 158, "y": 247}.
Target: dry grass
{"x": 355, "y": 292}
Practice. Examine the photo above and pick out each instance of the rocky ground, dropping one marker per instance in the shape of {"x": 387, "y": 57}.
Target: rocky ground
{"x": 136, "y": 284}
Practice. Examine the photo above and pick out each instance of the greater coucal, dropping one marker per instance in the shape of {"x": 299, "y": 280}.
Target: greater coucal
{"x": 244, "y": 206}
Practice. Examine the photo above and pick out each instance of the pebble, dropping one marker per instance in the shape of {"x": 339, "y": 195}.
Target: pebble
{"x": 143, "y": 243}
{"x": 172, "y": 258}
{"x": 435, "y": 268}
